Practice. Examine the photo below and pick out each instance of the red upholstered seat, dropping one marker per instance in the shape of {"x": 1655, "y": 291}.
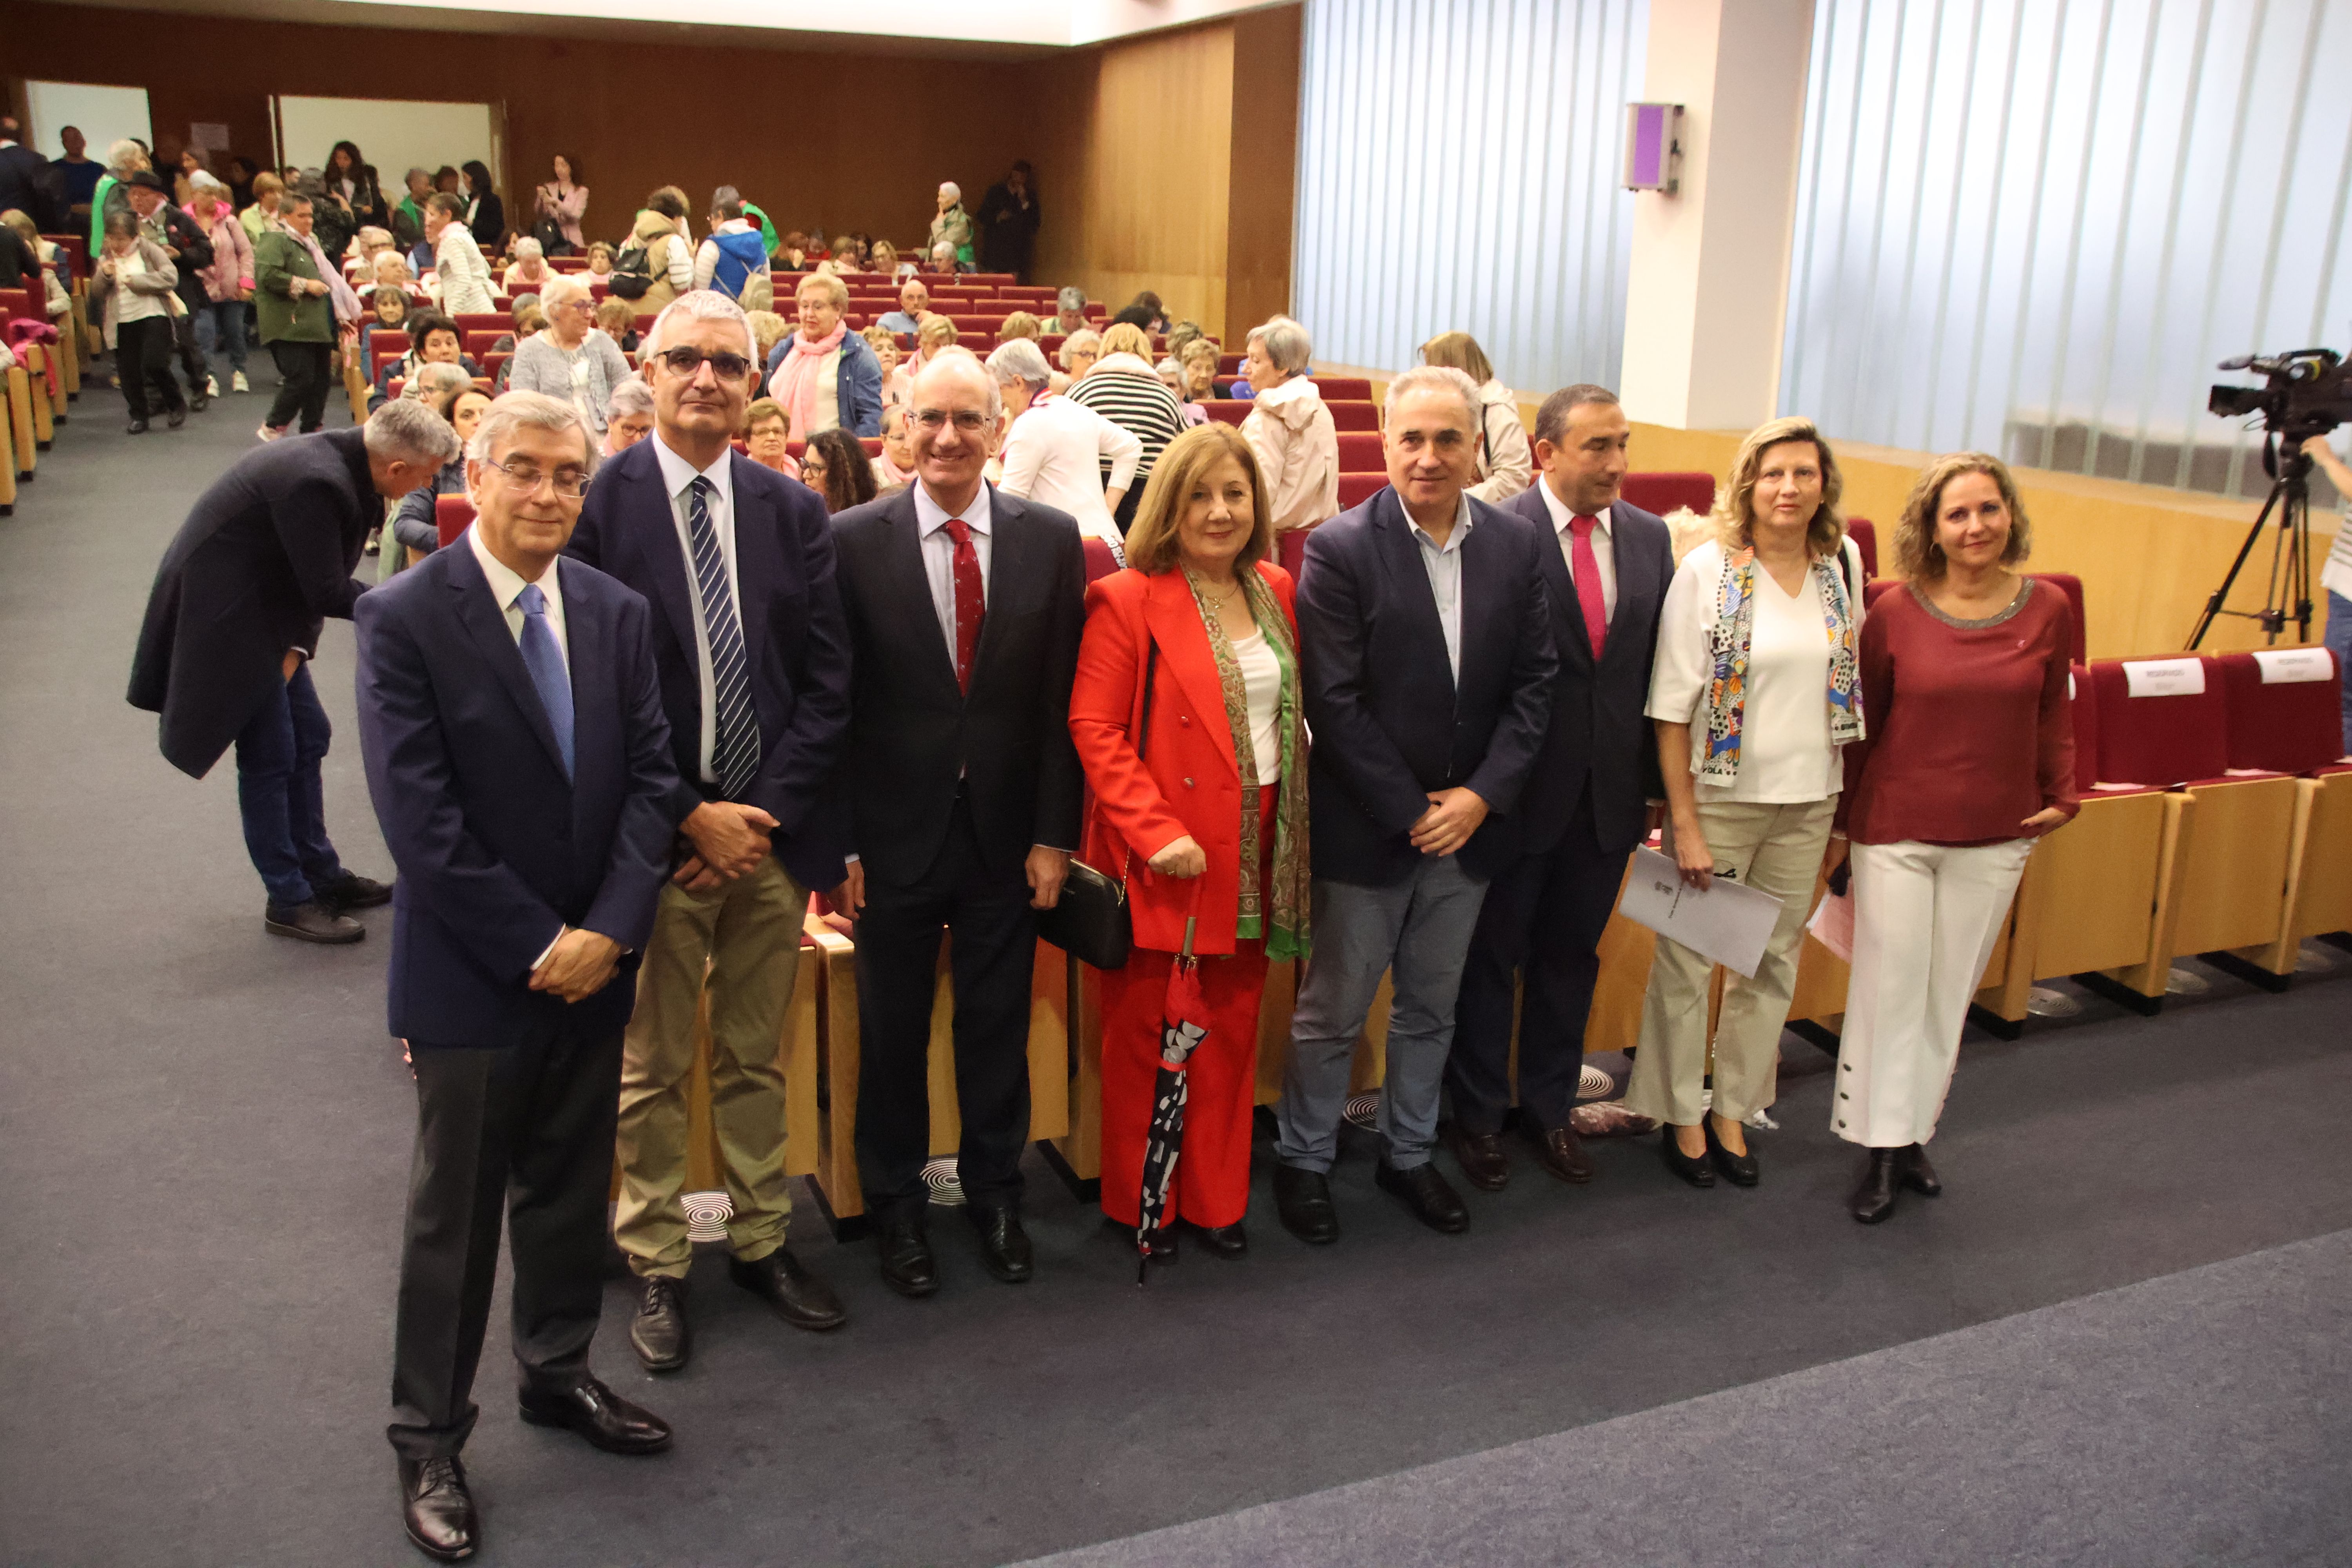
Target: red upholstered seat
{"x": 2285, "y": 726}
{"x": 2083, "y": 704}
{"x": 1875, "y": 590}
{"x": 2070, "y": 585}
{"x": 1354, "y": 416}
{"x": 1865, "y": 540}
{"x": 1343, "y": 388}
{"x": 1355, "y": 490}
{"x": 1100, "y": 562}
{"x": 485, "y": 322}
{"x": 1225, "y": 410}
{"x": 490, "y": 363}
{"x": 452, "y": 515}
{"x": 1663, "y": 492}
{"x": 383, "y": 345}
{"x": 1230, "y": 364}
{"x": 479, "y": 343}
{"x": 2159, "y": 739}
{"x": 1290, "y": 547}
{"x": 1359, "y": 453}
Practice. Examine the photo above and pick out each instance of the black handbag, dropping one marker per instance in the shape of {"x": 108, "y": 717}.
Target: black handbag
{"x": 1092, "y": 922}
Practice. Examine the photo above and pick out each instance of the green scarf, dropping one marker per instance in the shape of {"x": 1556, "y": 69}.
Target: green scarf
{"x": 1279, "y": 914}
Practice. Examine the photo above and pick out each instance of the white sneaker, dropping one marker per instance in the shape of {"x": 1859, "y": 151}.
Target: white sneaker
{"x": 237, "y": 383}
{"x": 212, "y": 387}
{"x": 267, "y": 434}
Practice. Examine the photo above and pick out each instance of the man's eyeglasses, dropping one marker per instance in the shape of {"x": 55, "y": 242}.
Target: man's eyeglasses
{"x": 685, "y": 362}
{"x": 968, "y": 422}
{"x": 524, "y": 480}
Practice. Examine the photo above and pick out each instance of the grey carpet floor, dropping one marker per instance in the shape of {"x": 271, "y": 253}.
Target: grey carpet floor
{"x": 204, "y": 1133}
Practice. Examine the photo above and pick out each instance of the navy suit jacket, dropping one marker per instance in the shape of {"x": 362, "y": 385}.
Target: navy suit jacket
{"x": 794, "y": 638}
{"x": 1599, "y": 738}
{"x": 1390, "y": 725}
{"x": 497, "y": 849}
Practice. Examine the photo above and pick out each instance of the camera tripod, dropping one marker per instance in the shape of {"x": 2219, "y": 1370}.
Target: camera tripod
{"x": 2290, "y": 575}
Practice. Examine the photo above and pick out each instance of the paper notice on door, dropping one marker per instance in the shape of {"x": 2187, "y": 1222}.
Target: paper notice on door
{"x": 2164, "y": 677}
{"x": 2288, "y": 666}
{"x": 1832, "y": 924}
{"x": 1726, "y": 924}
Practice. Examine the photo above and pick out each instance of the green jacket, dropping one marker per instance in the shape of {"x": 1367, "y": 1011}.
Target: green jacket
{"x": 278, "y": 259}
{"x": 767, "y": 229}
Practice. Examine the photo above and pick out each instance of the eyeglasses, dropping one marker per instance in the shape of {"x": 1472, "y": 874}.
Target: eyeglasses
{"x": 685, "y": 362}
{"x": 968, "y": 422}
{"x": 524, "y": 480}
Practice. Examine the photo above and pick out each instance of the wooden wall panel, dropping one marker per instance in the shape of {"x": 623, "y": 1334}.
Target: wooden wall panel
{"x": 1264, "y": 166}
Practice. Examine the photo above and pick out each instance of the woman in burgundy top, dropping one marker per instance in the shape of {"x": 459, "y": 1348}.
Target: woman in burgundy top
{"x": 1969, "y": 759}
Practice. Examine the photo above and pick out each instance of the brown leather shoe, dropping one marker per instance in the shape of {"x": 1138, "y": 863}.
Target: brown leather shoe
{"x": 1483, "y": 1161}
{"x": 1560, "y": 1152}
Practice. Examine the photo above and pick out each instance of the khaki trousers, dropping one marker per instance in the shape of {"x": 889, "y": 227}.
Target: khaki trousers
{"x": 746, "y": 935}
{"x": 1776, "y": 849}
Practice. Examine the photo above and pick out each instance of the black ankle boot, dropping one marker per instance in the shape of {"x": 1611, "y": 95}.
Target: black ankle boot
{"x": 1873, "y": 1197}
{"x": 1911, "y": 1168}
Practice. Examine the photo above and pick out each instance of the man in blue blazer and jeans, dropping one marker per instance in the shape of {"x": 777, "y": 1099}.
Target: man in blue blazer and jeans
{"x": 510, "y": 717}
{"x": 1428, "y": 667}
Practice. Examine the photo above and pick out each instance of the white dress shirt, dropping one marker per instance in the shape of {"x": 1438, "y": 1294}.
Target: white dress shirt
{"x": 1055, "y": 454}
{"x": 1444, "y": 564}
{"x": 1604, "y": 547}
{"x": 507, "y": 586}
{"x": 677, "y": 475}
{"x": 939, "y": 555}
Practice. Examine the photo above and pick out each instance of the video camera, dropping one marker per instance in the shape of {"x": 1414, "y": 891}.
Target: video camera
{"x": 2309, "y": 393}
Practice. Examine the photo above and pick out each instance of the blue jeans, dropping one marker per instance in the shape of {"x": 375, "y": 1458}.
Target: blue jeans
{"x": 2338, "y": 638}
{"x": 279, "y": 793}
{"x": 222, "y": 322}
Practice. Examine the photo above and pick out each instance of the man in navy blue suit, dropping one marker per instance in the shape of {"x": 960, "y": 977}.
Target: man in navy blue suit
{"x": 1586, "y": 805}
{"x": 1428, "y": 667}
{"x": 736, "y": 562}
{"x": 511, "y": 718}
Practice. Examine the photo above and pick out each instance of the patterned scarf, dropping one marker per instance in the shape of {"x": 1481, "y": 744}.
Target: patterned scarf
{"x": 1280, "y": 914}
{"x": 1735, "y": 625}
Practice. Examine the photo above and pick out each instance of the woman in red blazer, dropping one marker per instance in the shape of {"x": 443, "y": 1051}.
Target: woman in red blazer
{"x": 1186, "y": 716}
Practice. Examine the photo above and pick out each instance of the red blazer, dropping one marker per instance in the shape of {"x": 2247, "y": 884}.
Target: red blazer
{"x": 1188, "y": 780}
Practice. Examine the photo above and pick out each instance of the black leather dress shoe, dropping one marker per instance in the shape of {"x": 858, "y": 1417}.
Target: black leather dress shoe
{"x": 797, "y": 1295}
{"x": 1302, "y": 1201}
{"x": 1911, "y": 1168}
{"x": 1227, "y": 1241}
{"x": 199, "y": 402}
{"x": 905, "y": 1257}
{"x": 1739, "y": 1170}
{"x": 175, "y": 418}
{"x": 1484, "y": 1164}
{"x": 1161, "y": 1242}
{"x": 1428, "y": 1194}
{"x": 352, "y": 891}
{"x": 1693, "y": 1169}
{"x": 608, "y": 1421}
{"x": 313, "y": 921}
{"x": 1873, "y": 1198}
{"x": 437, "y": 1510}
{"x": 1561, "y": 1154}
{"x": 658, "y": 1332}
{"x": 136, "y": 427}
{"x": 1004, "y": 1249}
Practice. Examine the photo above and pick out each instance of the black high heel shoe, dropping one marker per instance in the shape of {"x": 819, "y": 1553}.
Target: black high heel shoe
{"x": 1693, "y": 1169}
{"x": 1873, "y": 1198}
{"x": 1911, "y": 1169}
{"x": 1739, "y": 1170}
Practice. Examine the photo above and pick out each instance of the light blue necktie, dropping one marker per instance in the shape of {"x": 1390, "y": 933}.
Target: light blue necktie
{"x": 545, "y": 662}
{"x": 735, "y": 738}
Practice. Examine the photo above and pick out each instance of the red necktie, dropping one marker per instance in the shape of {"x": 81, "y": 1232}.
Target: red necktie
{"x": 971, "y": 601}
{"x": 1588, "y": 583}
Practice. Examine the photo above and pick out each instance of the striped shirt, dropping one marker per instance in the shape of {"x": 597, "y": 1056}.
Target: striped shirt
{"x": 1131, "y": 395}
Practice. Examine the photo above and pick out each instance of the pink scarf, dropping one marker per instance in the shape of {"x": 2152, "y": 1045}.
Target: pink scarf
{"x": 795, "y": 382}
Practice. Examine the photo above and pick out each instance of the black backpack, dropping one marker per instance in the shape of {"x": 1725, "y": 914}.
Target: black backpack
{"x": 632, "y": 273}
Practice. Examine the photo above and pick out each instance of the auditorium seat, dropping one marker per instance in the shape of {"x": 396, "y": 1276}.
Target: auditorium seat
{"x": 1100, "y": 562}
{"x": 452, "y": 515}
{"x": 1225, "y": 410}
{"x": 1355, "y": 490}
{"x": 486, "y": 321}
{"x": 1864, "y": 534}
{"x": 479, "y": 343}
{"x": 2285, "y": 716}
{"x": 383, "y": 345}
{"x": 1359, "y": 453}
{"x": 1663, "y": 492}
{"x": 1343, "y": 388}
{"x": 1290, "y": 548}
{"x": 2070, "y": 585}
{"x": 1354, "y": 416}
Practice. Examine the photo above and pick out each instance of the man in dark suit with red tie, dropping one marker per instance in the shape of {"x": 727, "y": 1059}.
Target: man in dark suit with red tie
{"x": 965, "y": 608}
{"x": 1606, "y": 564}
{"x": 510, "y": 717}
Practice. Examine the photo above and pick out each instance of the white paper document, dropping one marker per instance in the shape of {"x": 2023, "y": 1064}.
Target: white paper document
{"x": 1728, "y": 923}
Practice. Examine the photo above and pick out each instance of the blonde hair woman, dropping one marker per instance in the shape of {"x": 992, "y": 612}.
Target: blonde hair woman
{"x": 1756, "y": 686}
{"x": 1020, "y": 324}
{"x": 1505, "y": 463}
{"x": 1969, "y": 760}
{"x": 1125, "y": 388}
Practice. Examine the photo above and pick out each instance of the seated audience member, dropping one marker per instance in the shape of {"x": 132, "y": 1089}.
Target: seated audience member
{"x": 938, "y": 333}
{"x": 617, "y": 319}
{"x": 847, "y": 255}
{"x": 1154, "y": 318}
{"x": 388, "y": 310}
{"x": 1200, "y": 360}
{"x": 1291, "y": 431}
{"x": 1123, "y": 389}
{"x": 1069, "y": 311}
{"x": 389, "y": 274}
{"x": 414, "y": 521}
{"x": 885, "y": 344}
{"x": 532, "y": 851}
{"x": 408, "y": 213}
{"x": 894, "y": 469}
{"x": 446, "y": 178}
{"x": 943, "y": 259}
{"x": 823, "y": 373}
{"x": 884, "y": 259}
{"x": 1020, "y": 324}
{"x": 1967, "y": 758}
{"x": 531, "y": 324}
{"x": 1079, "y": 351}
{"x": 1505, "y": 462}
{"x": 1225, "y": 866}
{"x": 529, "y": 271}
{"x": 359, "y": 261}
{"x": 435, "y": 382}
{"x": 54, "y": 267}
{"x": 600, "y": 260}
{"x": 834, "y": 465}
{"x": 913, "y": 304}
{"x": 433, "y": 339}
{"x": 1180, "y": 335}
{"x": 1172, "y": 376}
{"x": 459, "y": 272}
{"x": 569, "y": 360}
{"x": 767, "y": 437}
{"x": 733, "y": 259}
{"x": 1055, "y": 451}
{"x": 629, "y": 416}
{"x": 1134, "y": 316}
{"x": 791, "y": 253}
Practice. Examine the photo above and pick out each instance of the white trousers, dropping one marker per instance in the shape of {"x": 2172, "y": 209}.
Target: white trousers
{"x": 1925, "y": 919}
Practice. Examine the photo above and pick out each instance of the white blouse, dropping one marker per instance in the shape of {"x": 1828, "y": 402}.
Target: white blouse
{"x": 1785, "y": 756}
{"x": 1261, "y": 683}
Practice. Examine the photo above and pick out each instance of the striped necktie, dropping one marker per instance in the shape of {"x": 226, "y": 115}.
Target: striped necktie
{"x": 735, "y": 742}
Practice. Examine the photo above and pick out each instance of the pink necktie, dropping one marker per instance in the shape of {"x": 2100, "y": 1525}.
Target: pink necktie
{"x": 1588, "y": 584}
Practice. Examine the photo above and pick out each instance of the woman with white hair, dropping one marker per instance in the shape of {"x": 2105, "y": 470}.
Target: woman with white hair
{"x": 1289, "y": 427}
{"x": 826, "y": 375}
{"x": 952, "y": 226}
{"x": 528, "y": 272}
{"x": 569, "y": 360}
{"x": 1069, "y": 311}
{"x": 1056, "y": 450}
{"x": 629, "y": 416}
{"x": 1079, "y": 354}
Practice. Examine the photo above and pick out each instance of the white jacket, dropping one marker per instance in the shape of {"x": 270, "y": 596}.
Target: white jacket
{"x": 461, "y": 275}
{"x": 1505, "y": 467}
{"x": 1298, "y": 447}
{"x": 1054, "y": 455}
